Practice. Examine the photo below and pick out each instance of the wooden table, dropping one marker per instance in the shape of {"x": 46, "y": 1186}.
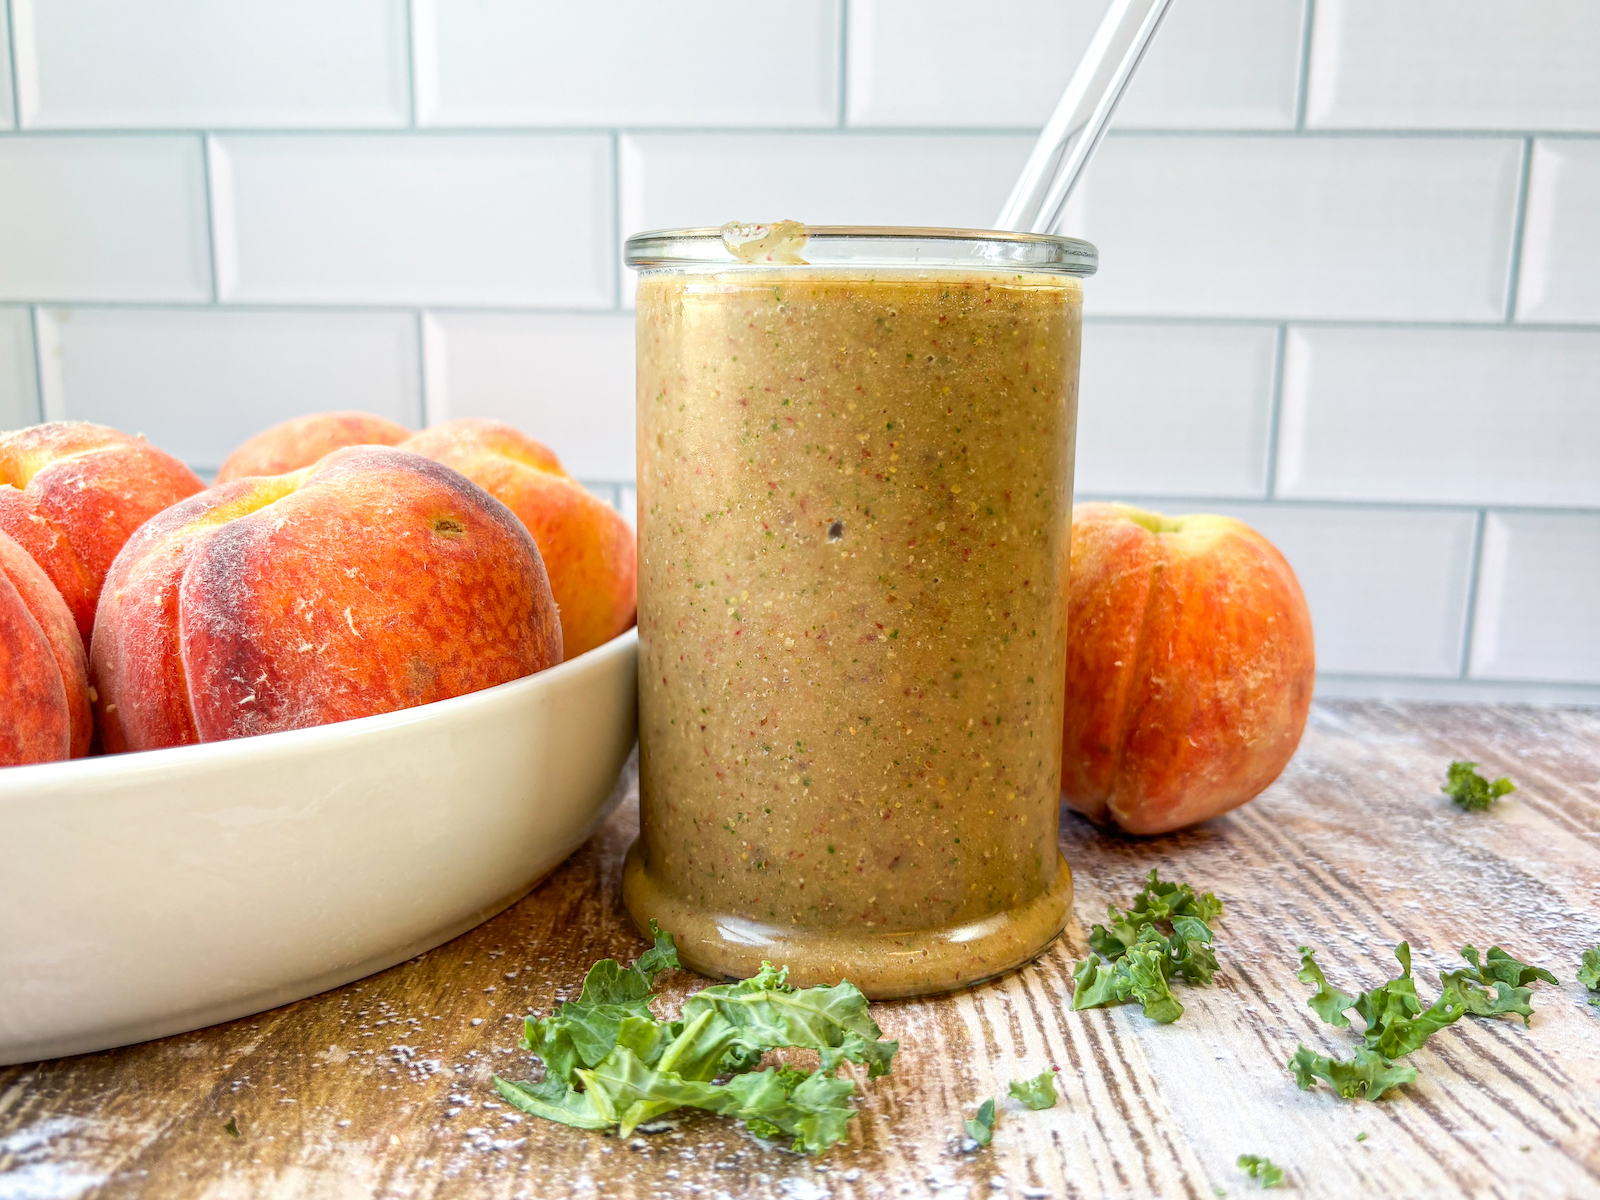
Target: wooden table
{"x": 382, "y": 1088}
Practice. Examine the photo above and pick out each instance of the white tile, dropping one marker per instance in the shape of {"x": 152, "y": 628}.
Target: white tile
{"x": 197, "y": 382}
{"x": 1387, "y": 588}
{"x": 490, "y": 219}
{"x": 564, "y": 379}
{"x": 1177, "y": 410}
{"x": 1226, "y": 64}
{"x": 1490, "y": 416}
{"x": 103, "y": 218}
{"x": 1455, "y": 64}
{"x": 295, "y": 63}
{"x": 1331, "y": 227}
{"x": 19, "y": 388}
{"x": 628, "y": 504}
{"x": 1560, "y": 275}
{"x": 1538, "y": 613}
{"x": 672, "y": 180}
{"x": 627, "y": 62}
{"x": 7, "y": 113}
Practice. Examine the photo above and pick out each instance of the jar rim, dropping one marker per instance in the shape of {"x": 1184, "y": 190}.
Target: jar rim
{"x": 862, "y": 246}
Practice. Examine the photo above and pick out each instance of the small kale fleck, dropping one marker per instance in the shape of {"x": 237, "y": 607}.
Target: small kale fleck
{"x": 981, "y": 1128}
{"x": 1131, "y": 958}
{"x": 1471, "y": 791}
{"x": 1263, "y": 1169}
{"x": 1589, "y": 974}
{"x": 232, "y": 1127}
{"x": 1038, "y": 1092}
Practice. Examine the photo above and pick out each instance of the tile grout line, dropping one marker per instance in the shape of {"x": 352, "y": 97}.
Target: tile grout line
{"x": 411, "y": 62}
{"x": 1519, "y": 224}
{"x": 617, "y": 267}
{"x": 211, "y": 218}
{"x": 11, "y": 54}
{"x": 843, "y": 89}
{"x": 1302, "y": 89}
{"x": 852, "y": 131}
{"x": 1280, "y": 347}
{"x": 38, "y": 365}
{"x": 1474, "y": 573}
{"x": 419, "y": 324}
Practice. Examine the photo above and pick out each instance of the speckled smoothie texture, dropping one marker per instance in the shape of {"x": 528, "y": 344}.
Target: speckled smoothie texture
{"x": 854, "y": 497}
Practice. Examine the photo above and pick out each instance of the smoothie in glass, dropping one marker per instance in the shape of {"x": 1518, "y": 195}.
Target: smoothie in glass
{"x": 855, "y": 477}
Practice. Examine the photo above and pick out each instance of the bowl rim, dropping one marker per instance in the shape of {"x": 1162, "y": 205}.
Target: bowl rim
{"x": 21, "y": 782}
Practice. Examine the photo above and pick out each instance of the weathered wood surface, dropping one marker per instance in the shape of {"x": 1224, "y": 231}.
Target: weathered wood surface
{"x": 382, "y": 1088}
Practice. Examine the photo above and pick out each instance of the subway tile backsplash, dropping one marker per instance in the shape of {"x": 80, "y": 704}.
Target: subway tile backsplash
{"x": 197, "y": 63}
{"x": 627, "y": 62}
{"x": 506, "y": 219}
{"x": 1350, "y": 288}
{"x": 1347, "y": 228}
{"x": 1455, "y": 64}
{"x": 1560, "y": 276}
{"x": 103, "y": 218}
{"x": 19, "y": 389}
{"x": 198, "y": 381}
{"x": 1538, "y": 618}
{"x": 1500, "y": 416}
{"x": 1220, "y": 64}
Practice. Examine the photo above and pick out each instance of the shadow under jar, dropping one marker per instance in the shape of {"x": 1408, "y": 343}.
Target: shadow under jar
{"x": 855, "y": 451}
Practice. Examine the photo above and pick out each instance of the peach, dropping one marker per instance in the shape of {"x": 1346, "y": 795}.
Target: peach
{"x": 44, "y": 681}
{"x": 302, "y": 441}
{"x": 373, "y": 581}
{"x": 588, "y": 548}
{"x": 1189, "y": 667}
{"x": 71, "y": 493}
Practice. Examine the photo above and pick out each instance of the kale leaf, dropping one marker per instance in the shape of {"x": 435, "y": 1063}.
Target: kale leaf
{"x": 1038, "y": 1092}
{"x": 1589, "y": 973}
{"x": 610, "y": 1062}
{"x": 1258, "y": 1167}
{"x": 981, "y": 1128}
{"x": 1369, "y": 1074}
{"x": 1133, "y": 959}
{"x": 1471, "y": 791}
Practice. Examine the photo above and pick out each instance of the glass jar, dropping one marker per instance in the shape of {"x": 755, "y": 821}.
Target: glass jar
{"x": 855, "y": 452}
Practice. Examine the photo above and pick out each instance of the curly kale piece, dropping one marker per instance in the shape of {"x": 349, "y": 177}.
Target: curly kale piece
{"x": 1471, "y": 791}
{"x": 1368, "y": 1075}
{"x": 610, "y": 1062}
{"x": 1038, "y": 1092}
{"x": 1134, "y": 959}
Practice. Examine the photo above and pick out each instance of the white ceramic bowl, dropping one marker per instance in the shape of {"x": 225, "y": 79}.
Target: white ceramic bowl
{"x": 146, "y": 894}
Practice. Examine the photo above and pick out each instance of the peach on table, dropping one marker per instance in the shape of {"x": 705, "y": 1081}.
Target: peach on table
{"x": 1189, "y": 667}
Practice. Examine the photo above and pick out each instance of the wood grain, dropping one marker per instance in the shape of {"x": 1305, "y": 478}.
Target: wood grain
{"x": 382, "y": 1088}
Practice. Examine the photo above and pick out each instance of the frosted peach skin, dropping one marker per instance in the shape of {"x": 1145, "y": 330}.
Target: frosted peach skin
{"x": 373, "y": 581}
{"x": 588, "y": 549}
{"x": 44, "y": 682}
{"x": 1189, "y": 667}
{"x": 301, "y": 441}
{"x": 71, "y": 493}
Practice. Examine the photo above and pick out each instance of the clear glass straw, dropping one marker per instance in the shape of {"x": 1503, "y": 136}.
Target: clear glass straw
{"x": 1073, "y": 132}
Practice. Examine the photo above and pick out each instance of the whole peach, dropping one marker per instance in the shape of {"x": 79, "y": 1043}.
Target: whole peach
{"x": 1189, "y": 667}
{"x": 44, "y": 681}
{"x": 588, "y": 548}
{"x": 301, "y": 441}
{"x": 71, "y": 493}
{"x": 373, "y": 581}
